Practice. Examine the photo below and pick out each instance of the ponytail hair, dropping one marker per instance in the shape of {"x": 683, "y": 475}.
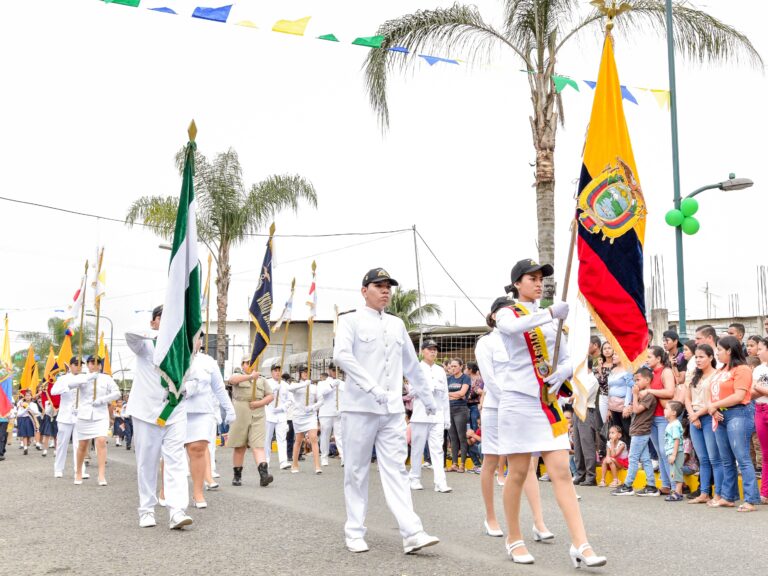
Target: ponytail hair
{"x": 661, "y": 354}
{"x": 698, "y": 373}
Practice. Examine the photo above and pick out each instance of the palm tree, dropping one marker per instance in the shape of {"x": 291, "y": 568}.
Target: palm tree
{"x": 227, "y": 215}
{"x": 42, "y": 341}
{"x": 405, "y": 305}
{"x": 536, "y": 31}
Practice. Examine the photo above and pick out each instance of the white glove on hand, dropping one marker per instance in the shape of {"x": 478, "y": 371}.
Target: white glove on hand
{"x": 429, "y": 405}
{"x": 447, "y": 425}
{"x": 230, "y": 417}
{"x": 98, "y": 402}
{"x": 92, "y": 376}
{"x": 380, "y": 395}
{"x": 559, "y": 310}
{"x": 555, "y": 381}
{"x": 278, "y": 410}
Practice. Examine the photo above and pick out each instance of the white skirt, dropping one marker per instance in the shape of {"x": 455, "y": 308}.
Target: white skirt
{"x": 199, "y": 426}
{"x": 490, "y": 428}
{"x": 87, "y": 429}
{"x": 304, "y": 422}
{"x": 524, "y": 428}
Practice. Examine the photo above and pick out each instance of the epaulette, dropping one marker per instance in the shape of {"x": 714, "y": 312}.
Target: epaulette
{"x": 346, "y": 312}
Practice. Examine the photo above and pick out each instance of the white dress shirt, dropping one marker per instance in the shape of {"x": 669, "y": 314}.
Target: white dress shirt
{"x": 330, "y": 390}
{"x": 490, "y": 354}
{"x": 438, "y": 384}
{"x": 205, "y": 386}
{"x": 282, "y": 400}
{"x": 67, "y": 396}
{"x": 374, "y": 349}
{"x": 106, "y": 392}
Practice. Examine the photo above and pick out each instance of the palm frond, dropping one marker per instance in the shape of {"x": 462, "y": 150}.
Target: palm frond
{"x": 458, "y": 29}
{"x": 274, "y": 194}
{"x": 158, "y": 212}
{"x": 698, "y": 35}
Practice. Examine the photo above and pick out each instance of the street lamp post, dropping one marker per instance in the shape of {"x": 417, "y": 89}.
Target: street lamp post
{"x": 729, "y": 185}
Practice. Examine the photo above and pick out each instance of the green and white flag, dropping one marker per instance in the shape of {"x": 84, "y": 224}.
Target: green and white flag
{"x": 182, "y": 318}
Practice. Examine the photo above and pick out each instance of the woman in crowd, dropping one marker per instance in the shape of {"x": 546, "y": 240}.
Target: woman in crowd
{"x": 663, "y": 387}
{"x": 458, "y": 391}
{"x": 731, "y": 408}
{"x": 700, "y": 424}
{"x": 305, "y": 407}
{"x": 689, "y": 353}
{"x": 760, "y": 395}
{"x": 531, "y": 421}
{"x": 620, "y": 383}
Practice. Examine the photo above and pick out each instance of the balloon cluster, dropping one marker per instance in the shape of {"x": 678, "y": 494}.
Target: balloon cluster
{"x": 684, "y": 216}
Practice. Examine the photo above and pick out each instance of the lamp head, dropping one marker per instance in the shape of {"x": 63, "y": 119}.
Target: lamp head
{"x": 736, "y": 184}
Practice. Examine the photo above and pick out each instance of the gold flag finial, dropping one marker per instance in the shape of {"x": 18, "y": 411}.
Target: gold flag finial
{"x": 192, "y": 131}
{"x": 293, "y": 284}
{"x": 314, "y": 266}
{"x": 210, "y": 257}
{"x": 272, "y": 230}
{"x": 611, "y": 9}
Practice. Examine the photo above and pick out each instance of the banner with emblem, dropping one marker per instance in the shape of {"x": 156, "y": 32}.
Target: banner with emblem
{"x": 261, "y": 305}
{"x": 611, "y": 216}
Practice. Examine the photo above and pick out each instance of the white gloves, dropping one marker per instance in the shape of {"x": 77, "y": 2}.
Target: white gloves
{"x": 99, "y": 402}
{"x": 559, "y": 310}
{"x": 74, "y": 384}
{"x": 447, "y": 425}
{"x": 229, "y": 417}
{"x": 380, "y": 395}
{"x": 311, "y": 408}
{"x": 278, "y": 410}
{"x": 429, "y": 405}
{"x": 555, "y": 381}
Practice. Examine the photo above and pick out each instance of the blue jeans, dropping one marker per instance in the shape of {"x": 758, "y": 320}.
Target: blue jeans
{"x": 474, "y": 416}
{"x": 733, "y": 435}
{"x": 705, "y": 445}
{"x": 572, "y": 465}
{"x": 657, "y": 438}
{"x": 640, "y": 453}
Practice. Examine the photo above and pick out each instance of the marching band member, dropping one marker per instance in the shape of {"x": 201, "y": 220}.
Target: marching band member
{"x": 331, "y": 390}
{"x": 374, "y": 350}
{"x": 67, "y": 417}
{"x": 305, "y": 409}
{"x": 427, "y": 428}
{"x": 277, "y": 419}
{"x": 48, "y": 428}
{"x": 530, "y": 418}
{"x": 93, "y": 416}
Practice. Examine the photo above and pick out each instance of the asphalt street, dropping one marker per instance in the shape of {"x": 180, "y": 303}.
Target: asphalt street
{"x": 295, "y": 526}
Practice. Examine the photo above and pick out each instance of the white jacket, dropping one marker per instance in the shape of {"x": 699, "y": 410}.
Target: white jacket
{"x": 438, "y": 384}
{"x": 374, "y": 350}
{"x": 491, "y": 356}
{"x": 277, "y": 410}
{"x": 331, "y": 390}
{"x": 299, "y": 398}
{"x": 67, "y": 395}
{"x": 204, "y": 386}
{"x": 91, "y": 408}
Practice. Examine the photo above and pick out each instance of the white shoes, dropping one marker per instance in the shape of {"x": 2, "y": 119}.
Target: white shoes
{"x": 216, "y": 474}
{"x": 418, "y": 541}
{"x": 213, "y": 486}
{"x": 545, "y": 536}
{"x": 102, "y": 482}
{"x": 199, "y": 505}
{"x": 58, "y": 474}
{"x": 161, "y": 501}
{"x": 318, "y": 471}
{"x": 578, "y": 558}
{"x": 444, "y": 488}
{"x": 416, "y": 485}
{"x": 518, "y": 558}
{"x": 78, "y": 482}
{"x": 324, "y": 461}
{"x": 179, "y": 520}
{"x": 357, "y": 545}
{"x": 285, "y": 465}
{"x": 86, "y": 475}
{"x": 495, "y": 533}
{"x": 147, "y": 520}
{"x": 427, "y": 465}
{"x": 45, "y": 452}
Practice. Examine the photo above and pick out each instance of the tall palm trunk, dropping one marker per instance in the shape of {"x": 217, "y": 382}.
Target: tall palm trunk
{"x": 544, "y": 131}
{"x": 222, "y": 289}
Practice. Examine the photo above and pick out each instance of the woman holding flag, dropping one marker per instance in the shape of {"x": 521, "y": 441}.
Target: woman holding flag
{"x": 306, "y": 403}
{"x": 530, "y": 419}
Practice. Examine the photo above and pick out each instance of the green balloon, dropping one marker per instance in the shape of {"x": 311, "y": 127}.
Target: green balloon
{"x": 674, "y": 218}
{"x": 689, "y": 206}
{"x": 690, "y": 225}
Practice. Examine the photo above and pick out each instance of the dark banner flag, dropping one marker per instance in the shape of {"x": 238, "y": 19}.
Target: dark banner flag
{"x": 261, "y": 305}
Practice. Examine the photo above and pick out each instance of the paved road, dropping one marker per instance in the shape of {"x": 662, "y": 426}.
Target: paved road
{"x": 50, "y": 526}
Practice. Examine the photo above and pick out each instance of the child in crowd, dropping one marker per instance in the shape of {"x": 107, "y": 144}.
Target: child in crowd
{"x": 691, "y": 463}
{"x": 616, "y": 456}
{"x": 26, "y": 420}
{"x": 673, "y": 447}
{"x": 640, "y": 432}
{"x": 474, "y": 440}
{"x": 568, "y": 413}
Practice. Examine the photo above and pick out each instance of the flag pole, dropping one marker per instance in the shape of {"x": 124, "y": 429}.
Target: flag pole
{"x": 566, "y": 283}
{"x": 208, "y": 306}
{"x": 310, "y": 324}
{"x": 97, "y": 304}
{"x": 285, "y": 341}
{"x": 82, "y": 320}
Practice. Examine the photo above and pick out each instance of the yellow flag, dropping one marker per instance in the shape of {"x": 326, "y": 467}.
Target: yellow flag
{"x": 296, "y": 27}
{"x": 5, "y": 356}
{"x": 49, "y": 363}
{"x": 65, "y": 353}
{"x": 30, "y": 379}
{"x": 104, "y": 355}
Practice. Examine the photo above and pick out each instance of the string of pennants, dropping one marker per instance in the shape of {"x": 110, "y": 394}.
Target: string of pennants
{"x": 298, "y": 28}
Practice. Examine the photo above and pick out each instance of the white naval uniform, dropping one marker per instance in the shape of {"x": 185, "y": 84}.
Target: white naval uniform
{"x": 152, "y": 441}
{"x": 485, "y": 349}
{"x": 277, "y": 421}
{"x": 331, "y": 391}
{"x": 523, "y": 425}
{"x": 427, "y": 428}
{"x": 304, "y": 414}
{"x": 66, "y": 419}
{"x": 93, "y": 413}
{"x": 374, "y": 350}
{"x": 204, "y": 392}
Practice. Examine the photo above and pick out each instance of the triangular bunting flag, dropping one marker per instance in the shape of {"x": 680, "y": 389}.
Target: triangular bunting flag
{"x": 369, "y": 41}
{"x": 247, "y": 24}
{"x": 627, "y": 95}
{"x": 662, "y": 98}
{"x": 399, "y": 49}
{"x": 329, "y": 37}
{"x": 134, "y": 3}
{"x": 562, "y": 81}
{"x": 590, "y": 83}
{"x": 432, "y": 60}
{"x": 164, "y": 10}
{"x": 219, "y": 14}
{"x": 296, "y": 27}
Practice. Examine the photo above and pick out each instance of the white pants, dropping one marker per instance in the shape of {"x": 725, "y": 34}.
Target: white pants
{"x": 362, "y": 431}
{"x": 280, "y": 431}
{"x": 421, "y": 433}
{"x": 152, "y": 442}
{"x": 330, "y": 425}
{"x": 66, "y": 433}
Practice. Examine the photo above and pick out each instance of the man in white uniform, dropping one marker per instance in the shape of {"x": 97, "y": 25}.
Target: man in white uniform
{"x": 277, "y": 419}
{"x": 330, "y": 390}
{"x": 374, "y": 350}
{"x": 151, "y": 441}
{"x": 429, "y": 428}
{"x": 67, "y": 417}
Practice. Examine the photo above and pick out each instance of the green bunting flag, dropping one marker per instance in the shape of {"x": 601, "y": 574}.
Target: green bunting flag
{"x": 133, "y": 3}
{"x": 562, "y": 81}
{"x": 369, "y": 41}
{"x": 182, "y": 317}
{"x": 329, "y": 37}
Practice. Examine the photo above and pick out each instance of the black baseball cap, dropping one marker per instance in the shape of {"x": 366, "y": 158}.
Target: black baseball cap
{"x": 429, "y": 344}
{"x": 527, "y": 266}
{"x": 378, "y": 275}
{"x": 276, "y": 367}
{"x": 500, "y": 303}
{"x": 93, "y": 358}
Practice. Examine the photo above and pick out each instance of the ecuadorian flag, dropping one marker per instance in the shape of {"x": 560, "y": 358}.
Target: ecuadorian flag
{"x": 611, "y": 222}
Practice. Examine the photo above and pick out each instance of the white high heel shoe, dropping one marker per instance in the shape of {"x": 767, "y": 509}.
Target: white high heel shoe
{"x": 520, "y": 558}
{"x": 489, "y": 532}
{"x": 545, "y": 536}
{"x": 577, "y": 557}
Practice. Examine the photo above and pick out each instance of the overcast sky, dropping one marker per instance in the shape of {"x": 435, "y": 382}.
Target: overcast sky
{"x": 97, "y": 99}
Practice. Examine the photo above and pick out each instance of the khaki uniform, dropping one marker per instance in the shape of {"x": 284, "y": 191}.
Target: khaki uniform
{"x": 249, "y": 429}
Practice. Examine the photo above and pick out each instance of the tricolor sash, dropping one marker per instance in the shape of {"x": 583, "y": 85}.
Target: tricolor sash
{"x": 540, "y": 361}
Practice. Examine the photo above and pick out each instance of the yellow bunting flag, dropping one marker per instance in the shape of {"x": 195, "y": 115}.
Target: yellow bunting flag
{"x": 247, "y": 24}
{"x": 296, "y": 27}
{"x": 662, "y": 98}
